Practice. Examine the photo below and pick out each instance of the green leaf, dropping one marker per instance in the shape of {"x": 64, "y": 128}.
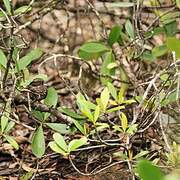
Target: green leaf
{"x": 56, "y": 148}
{"x": 11, "y": 141}
{"x": 26, "y": 176}
{"x": 129, "y": 29}
{"x": 170, "y": 17}
{"x": 178, "y": 3}
{"x": 79, "y": 126}
{"x": 22, "y": 9}
{"x": 113, "y": 91}
{"x": 115, "y": 109}
{"x": 141, "y": 154}
{"x": 96, "y": 114}
{"x": 60, "y": 128}
{"x": 4, "y": 121}
{"x": 38, "y": 115}
{"x": 112, "y": 65}
{"x": 117, "y": 128}
{"x": 147, "y": 171}
{"x": 115, "y": 35}
{"x": 159, "y": 50}
{"x": 124, "y": 121}
{"x": 101, "y": 126}
{"x": 38, "y": 143}
{"x": 9, "y": 126}
{"x": 92, "y": 50}
{"x": 129, "y": 101}
{"x": 76, "y": 143}
{"x": 171, "y": 28}
{"x": 86, "y": 111}
{"x": 84, "y": 106}
{"x": 59, "y": 139}
{"x": 148, "y": 56}
{"x": 28, "y": 58}
{"x": 104, "y": 98}
{"x": 164, "y": 77}
{"x": 3, "y": 60}
{"x": 51, "y": 98}
{"x": 8, "y": 6}
{"x": 90, "y": 105}
{"x": 104, "y": 70}
{"x": 173, "y": 44}
{"x": 172, "y": 97}
{"x": 70, "y": 113}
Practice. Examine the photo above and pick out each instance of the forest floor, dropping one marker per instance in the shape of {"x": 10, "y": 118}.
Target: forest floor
{"x": 60, "y": 29}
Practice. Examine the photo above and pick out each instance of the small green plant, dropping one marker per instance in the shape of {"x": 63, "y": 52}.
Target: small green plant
{"x": 60, "y": 146}
{"x": 6, "y": 126}
{"x": 174, "y": 156}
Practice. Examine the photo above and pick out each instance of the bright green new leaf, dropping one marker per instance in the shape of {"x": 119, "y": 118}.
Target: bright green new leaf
{"x": 159, "y": 50}
{"x": 86, "y": 112}
{"x": 59, "y": 139}
{"x": 11, "y": 141}
{"x": 57, "y": 149}
{"x": 51, "y": 98}
{"x": 90, "y": 105}
{"x": 76, "y": 143}
{"x": 99, "y": 127}
{"x": 84, "y": 106}
{"x": 147, "y": 171}
{"x": 8, "y": 6}
{"x": 96, "y": 114}
{"x": 107, "y": 59}
{"x": 114, "y": 35}
{"x": 114, "y": 109}
{"x": 4, "y": 121}
{"x": 117, "y": 128}
{"x": 98, "y": 100}
{"x": 129, "y": 101}
{"x": 22, "y": 9}
{"x": 124, "y": 121}
{"x": 38, "y": 142}
{"x": 173, "y": 44}
{"x": 60, "y": 128}
{"x": 9, "y": 126}
{"x": 112, "y": 90}
{"x": 104, "y": 98}
{"x": 92, "y": 50}
{"x": 112, "y": 65}
{"x": 129, "y": 29}
{"x": 3, "y": 59}
{"x": 28, "y": 58}
{"x": 132, "y": 129}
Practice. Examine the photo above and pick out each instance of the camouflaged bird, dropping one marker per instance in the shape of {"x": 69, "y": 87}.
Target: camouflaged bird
{"x": 37, "y": 90}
